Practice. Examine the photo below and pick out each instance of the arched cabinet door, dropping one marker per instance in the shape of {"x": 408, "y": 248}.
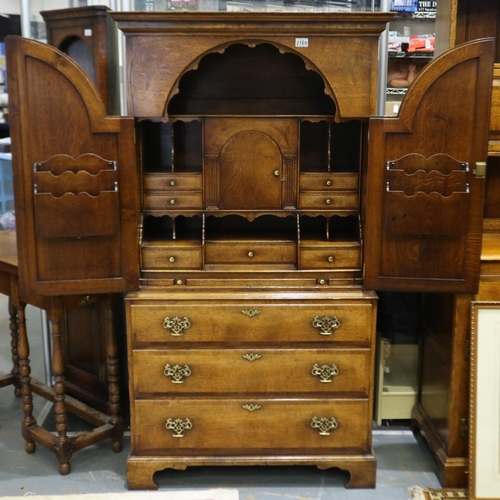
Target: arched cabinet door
{"x": 75, "y": 178}
{"x": 425, "y": 192}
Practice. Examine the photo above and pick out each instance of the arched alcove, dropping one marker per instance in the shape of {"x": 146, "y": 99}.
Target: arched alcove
{"x": 251, "y": 80}
{"x": 79, "y": 51}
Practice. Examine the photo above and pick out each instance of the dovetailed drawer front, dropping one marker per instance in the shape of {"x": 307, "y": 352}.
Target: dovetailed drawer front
{"x": 172, "y": 182}
{"x": 331, "y": 257}
{"x": 250, "y": 322}
{"x": 162, "y": 256}
{"x": 173, "y": 201}
{"x": 329, "y": 201}
{"x": 340, "y": 372}
{"x": 162, "y": 426}
{"x": 249, "y": 252}
{"x": 328, "y": 181}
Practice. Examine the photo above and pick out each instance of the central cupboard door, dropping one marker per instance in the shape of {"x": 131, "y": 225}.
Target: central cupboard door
{"x": 250, "y": 163}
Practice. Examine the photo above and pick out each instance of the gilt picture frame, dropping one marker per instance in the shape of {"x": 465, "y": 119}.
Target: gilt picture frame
{"x": 484, "y": 408}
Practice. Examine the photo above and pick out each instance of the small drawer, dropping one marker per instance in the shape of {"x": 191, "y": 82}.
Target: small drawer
{"x": 163, "y": 426}
{"x": 250, "y": 252}
{"x": 331, "y": 257}
{"x": 172, "y": 182}
{"x": 163, "y": 322}
{"x": 343, "y": 372}
{"x": 173, "y": 201}
{"x": 160, "y": 255}
{"x": 336, "y": 200}
{"x": 328, "y": 181}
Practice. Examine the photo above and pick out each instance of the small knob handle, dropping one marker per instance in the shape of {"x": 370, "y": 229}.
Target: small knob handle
{"x": 171, "y": 259}
{"x": 328, "y": 183}
{"x": 277, "y": 173}
{"x": 330, "y": 258}
{"x": 172, "y": 202}
{"x": 172, "y": 183}
{"x": 328, "y": 201}
{"x": 250, "y": 254}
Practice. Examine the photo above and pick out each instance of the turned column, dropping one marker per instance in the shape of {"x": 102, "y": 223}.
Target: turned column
{"x": 62, "y": 444}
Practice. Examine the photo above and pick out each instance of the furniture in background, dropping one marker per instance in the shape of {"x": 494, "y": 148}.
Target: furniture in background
{"x": 104, "y": 426}
{"x": 442, "y": 409}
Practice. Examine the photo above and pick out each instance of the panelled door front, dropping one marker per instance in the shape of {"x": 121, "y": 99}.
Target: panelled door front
{"x": 425, "y": 189}
{"x": 75, "y": 178}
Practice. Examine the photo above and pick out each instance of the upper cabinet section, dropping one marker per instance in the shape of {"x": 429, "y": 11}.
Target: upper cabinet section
{"x": 340, "y": 47}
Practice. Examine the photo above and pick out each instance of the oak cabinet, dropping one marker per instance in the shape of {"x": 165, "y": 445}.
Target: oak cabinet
{"x": 249, "y": 206}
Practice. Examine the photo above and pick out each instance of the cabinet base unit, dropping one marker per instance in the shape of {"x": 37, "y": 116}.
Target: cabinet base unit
{"x": 246, "y": 377}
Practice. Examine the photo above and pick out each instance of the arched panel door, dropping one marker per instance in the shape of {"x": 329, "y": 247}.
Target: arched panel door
{"x": 424, "y": 193}
{"x": 250, "y": 172}
{"x": 75, "y": 178}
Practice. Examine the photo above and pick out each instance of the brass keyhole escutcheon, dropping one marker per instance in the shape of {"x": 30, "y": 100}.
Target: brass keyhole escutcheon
{"x": 171, "y": 259}
{"x": 277, "y": 173}
{"x": 250, "y": 254}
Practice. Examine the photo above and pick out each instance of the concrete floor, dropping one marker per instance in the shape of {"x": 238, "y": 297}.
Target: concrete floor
{"x": 403, "y": 461}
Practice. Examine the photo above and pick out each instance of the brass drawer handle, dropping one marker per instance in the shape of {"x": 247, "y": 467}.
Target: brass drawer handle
{"x": 172, "y": 202}
{"x": 328, "y": 201}
{"x": 250, "y": 254}
{"x": 277, "y": 173}
{"x": 251, "y": 407}
{"x": 328, "y": 183}
{"x": 172, "y": 183}
{"x": 251, "y": 356}
{"x": 176, "y": 325}
{"x": 325, "y": 373}
{"x": 330, "y": 258}
{"x": 326, "y": 325}
{"x": 324, "y": 425}
{"x": 177, "y": 373}
{"x": 171, "y": 259}
{"x": 178, "y": 426}
{"x": 251, "y": 312}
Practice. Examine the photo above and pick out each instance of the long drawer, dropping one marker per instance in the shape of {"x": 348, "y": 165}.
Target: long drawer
{"x": 259, "y": 370}
{"x": 168, "y": 322}
{"x": 161, "y": 427}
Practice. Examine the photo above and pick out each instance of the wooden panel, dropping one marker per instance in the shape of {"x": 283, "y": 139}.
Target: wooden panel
{"x": 172, "y": 182}
{"x": 329, "y": 201}
{"x": 229, "y": 371}
{"x": 171, "y": 255}
{"x": 224, "y": 424}
{"x": 344, "y": 50}
{"x": 424, "y": 222}
{"x": 269, "y": 323}
{"x": 65, "y": 134}
{"x": 328, "y": 181}
{"x": 175, "y": 200}
{"x": 250, "y": 252}
{"x": 335, "y": 256}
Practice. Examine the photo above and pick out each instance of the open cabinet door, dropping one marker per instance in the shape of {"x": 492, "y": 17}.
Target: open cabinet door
{"x": 75, "y": 178}
{"x": 424, "y": 200}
